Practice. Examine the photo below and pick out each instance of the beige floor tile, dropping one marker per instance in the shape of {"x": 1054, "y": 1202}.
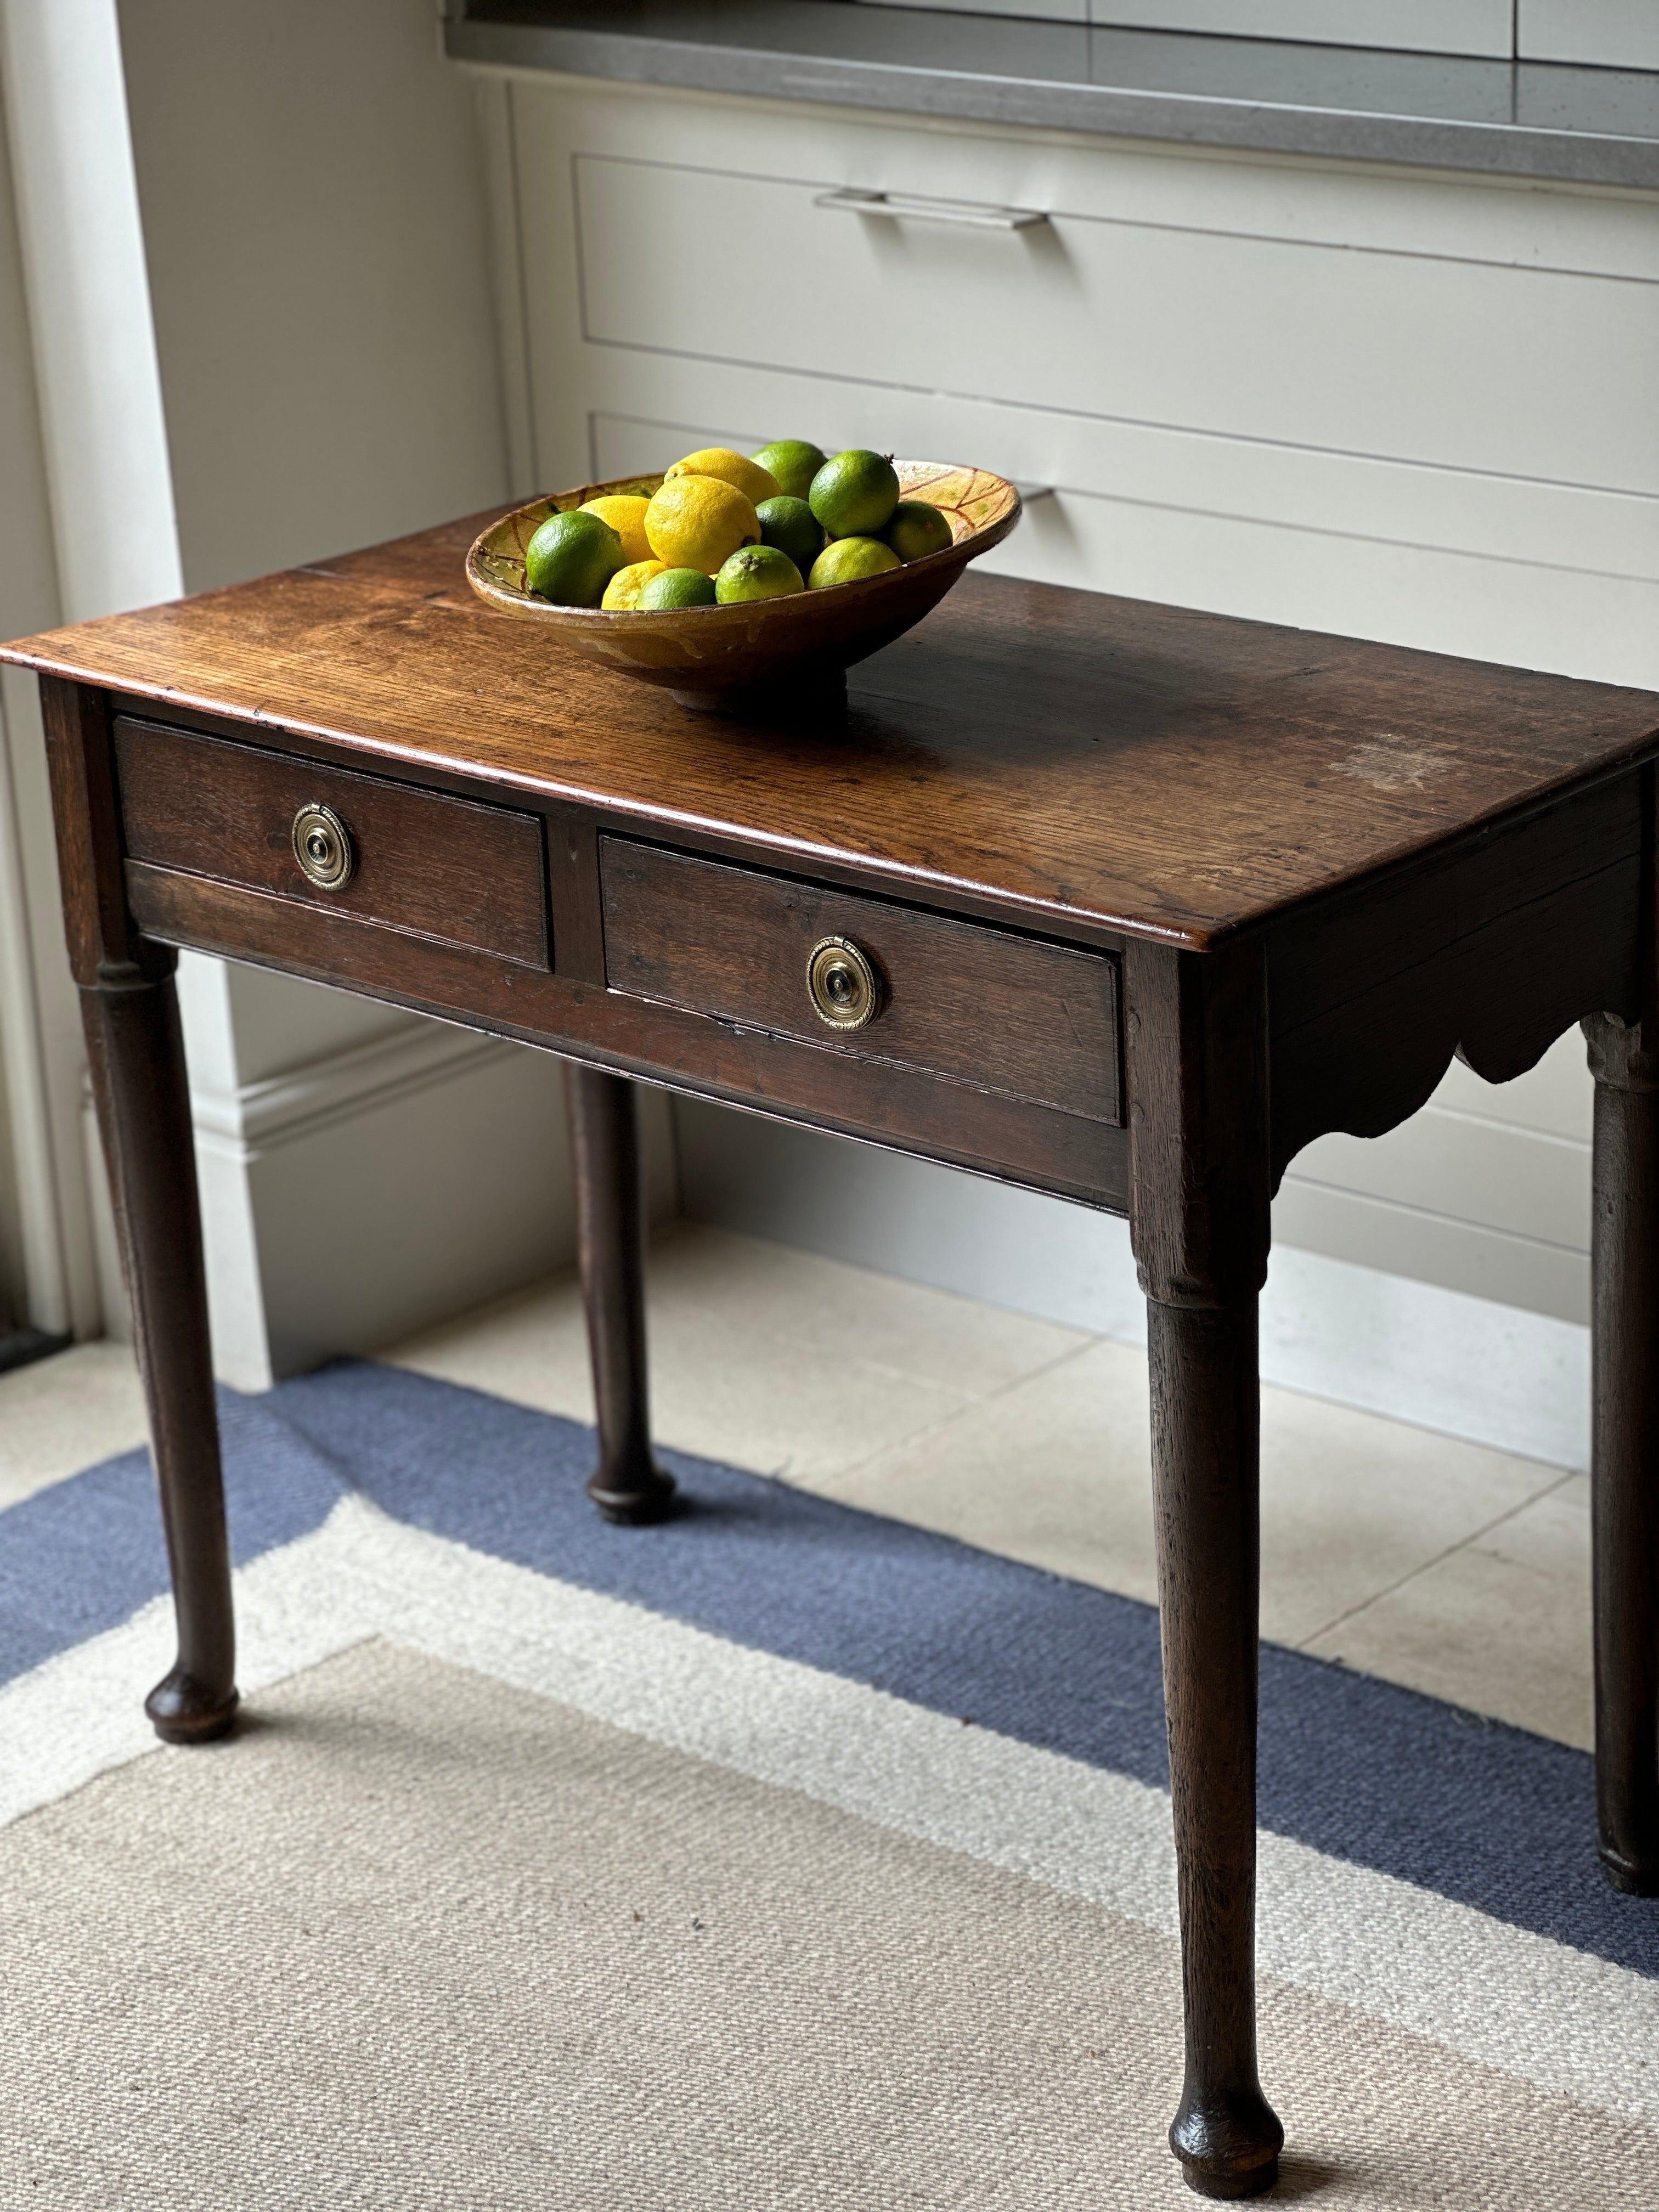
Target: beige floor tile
{"x": 737, "y": 1373}
{"x": 783, "y": 1409}
{"x": 530, "y": 1348}
{"x": 1352, "y": 1504}
{"x": 62, "y": 1414}
{"x": 1501, "y": 1626}
{"x": 829, "y": 1307}
{"x": 1056, "y": 1472}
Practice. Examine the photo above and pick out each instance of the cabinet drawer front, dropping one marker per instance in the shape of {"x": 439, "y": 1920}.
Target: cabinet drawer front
{"x": 424, "y": 863}
{"x": 1017, "y": 1016}
{"x": 1413, "y": 357}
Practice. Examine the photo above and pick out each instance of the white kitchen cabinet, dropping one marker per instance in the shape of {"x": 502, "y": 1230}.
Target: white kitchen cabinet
{"x": 1412, "y": 406}
{"x": 1433, "y": 27}
{"x": 1047, "y": 11}
{"x": 1307, "y": 343}
{"x": 1439, "y": 27}
{"x": 1606, "y": 34}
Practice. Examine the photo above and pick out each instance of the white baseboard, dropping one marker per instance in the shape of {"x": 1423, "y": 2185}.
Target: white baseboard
{"x": 352, "y": 1200}
{"x": 1417, "y": 1351}
{"x": 349, "y": 1204}
{"x": 1489, "y": 1264}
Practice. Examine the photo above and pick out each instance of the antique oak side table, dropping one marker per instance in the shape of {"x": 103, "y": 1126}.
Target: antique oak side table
{"x": 1102, "y": 899}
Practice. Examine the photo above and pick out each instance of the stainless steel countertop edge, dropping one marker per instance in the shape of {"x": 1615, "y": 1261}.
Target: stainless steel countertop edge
{"x": 1113, "y": 110}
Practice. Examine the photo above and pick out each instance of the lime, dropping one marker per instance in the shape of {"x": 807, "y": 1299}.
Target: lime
{"x": 571, "y": 559}
{"x": 792, "y": 464}
{"x": 918, "y": 528}
{"x": 756, "y": 572}
{"x": 854, "y": 495}
{"x": 791, "y": 526}
{"x": 625, "y": 512}
{"x": 622, "y": 593}
{"x": 849, "y": 560}
{"x": 697, "y": 522}
{"x": 755, "y": 483}
{"x": 676, "y": 588}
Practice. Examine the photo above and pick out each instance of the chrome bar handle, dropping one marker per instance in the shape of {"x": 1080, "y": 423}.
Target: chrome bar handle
{"x": 968, "y": 215}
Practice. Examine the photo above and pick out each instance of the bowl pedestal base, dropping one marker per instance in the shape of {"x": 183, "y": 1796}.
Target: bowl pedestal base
{"x": 813, "y": 698}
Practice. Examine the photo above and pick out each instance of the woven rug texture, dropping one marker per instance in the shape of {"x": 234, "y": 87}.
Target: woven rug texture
{"x": 779, "y": 1856}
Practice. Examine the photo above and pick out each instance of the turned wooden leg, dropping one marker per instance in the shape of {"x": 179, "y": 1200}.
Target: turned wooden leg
{"x": 627, "y": 1485}
{"x": 138, "y": 1058}
{"x": 1205, "y": 1424}
{"x": 1195, "y": 1028}
{"x": 1625, "y": 1451}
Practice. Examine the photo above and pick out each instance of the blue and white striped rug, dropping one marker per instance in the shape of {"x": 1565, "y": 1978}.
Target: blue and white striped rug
{"x": 1424, "y": 1871}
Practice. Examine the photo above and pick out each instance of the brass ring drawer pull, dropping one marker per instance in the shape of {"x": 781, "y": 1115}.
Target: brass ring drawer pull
{"x": 323, "y": 848}
{"x": 842, "y": 982}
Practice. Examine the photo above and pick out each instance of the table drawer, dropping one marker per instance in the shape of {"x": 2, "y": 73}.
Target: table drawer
{"x": 420, "y": 861}
{"x": 1019, "y": 1016}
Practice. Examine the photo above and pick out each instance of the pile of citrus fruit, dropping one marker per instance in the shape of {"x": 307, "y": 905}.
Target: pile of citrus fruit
{"x": 723, "y": 529}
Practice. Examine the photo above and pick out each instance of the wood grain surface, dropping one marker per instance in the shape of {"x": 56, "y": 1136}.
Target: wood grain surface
{"x": 1624, "y": 1498}
{"x": 1093, "y": 761}
{"x": 437, "y": 867}
{"x": 627, "y": 1486}
{"x": 1008, "y": 1139}
{"x": 103, "y": 944}
{"x": 1489, "y": 952}
{"x": 1623, "y": 1058}
{"x": 136, "y": 1055}
{"x": 1003, "y": 1012}
{"x": 1323, "y": 865}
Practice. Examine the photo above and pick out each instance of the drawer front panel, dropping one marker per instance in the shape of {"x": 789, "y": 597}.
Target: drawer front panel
{"x": 899, "y": 1108}
{"x": 1016, "y": 1016}
{"x": 424, "y": 863}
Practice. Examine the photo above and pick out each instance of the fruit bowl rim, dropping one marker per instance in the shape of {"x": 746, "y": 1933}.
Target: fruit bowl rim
{"x": 530, "y": 606}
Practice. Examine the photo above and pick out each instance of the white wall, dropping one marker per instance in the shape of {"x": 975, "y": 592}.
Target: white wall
{"x": 261, "y": 324}
{"x": 317, "y": 252}
{"x": 26, "y": 600}
{"x": 47, "y": 458}
{"x": 317, "y": 241}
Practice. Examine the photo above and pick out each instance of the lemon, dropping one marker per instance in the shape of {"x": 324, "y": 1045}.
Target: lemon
{"x": 698, "y": 522}
{"x": 755, "y": 483}
{"x": 571, "y": 559}
{"x": 849, "y": 560}
{"x": 625, "y": 512}
{"x": 676, "y": 587}
{"x": 792, "y": 463}
{"x": 791, "y": 525}
{"x": 917, "y": 529}
{"x": 622, "y": 593}
{"x": 756, "y": 572}
{"x": 854, "y": 495}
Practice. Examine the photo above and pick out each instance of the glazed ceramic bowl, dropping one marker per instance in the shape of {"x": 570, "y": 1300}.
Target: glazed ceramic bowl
{"x": 724, "y": 657}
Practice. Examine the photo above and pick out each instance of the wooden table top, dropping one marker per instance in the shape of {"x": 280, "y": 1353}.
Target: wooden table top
{"x": 1090, "y": 759}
